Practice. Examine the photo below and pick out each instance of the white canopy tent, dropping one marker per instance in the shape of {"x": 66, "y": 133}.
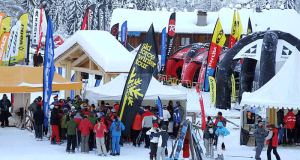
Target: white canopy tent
{"x": 282, "y": 90}
{"x": 113, "y": 91}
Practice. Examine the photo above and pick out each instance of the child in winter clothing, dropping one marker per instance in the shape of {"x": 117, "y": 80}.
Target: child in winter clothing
{"x": 99, "y": 129}
{"x": 272, "y": 141}
{"x": 38, "y": 122}
{"x": 153, "y": 140}
{"x": 162, "y": 142}
{"x": 209, "y": 135}
{"x": 116, "y": 128}
{"x": 220, "y": 132}
{"x": 71, "y": 131}
{"x": 259, "y": 135}
{"x": 85, "y": 127}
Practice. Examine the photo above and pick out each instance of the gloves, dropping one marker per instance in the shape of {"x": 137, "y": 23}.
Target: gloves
{"x": 157, "y": 130}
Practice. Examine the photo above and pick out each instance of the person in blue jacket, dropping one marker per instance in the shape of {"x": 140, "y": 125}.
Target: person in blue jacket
{"x": 177, "y": 120}
{"x": 221, "y": 132}
{"x": 116, "y": 128}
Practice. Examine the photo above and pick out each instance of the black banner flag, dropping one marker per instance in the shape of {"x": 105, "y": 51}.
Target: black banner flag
{"x": 115, "y": 30}
{"x": 170, "y": 40}
{"x": 138, "y": 80}
{"x": 249, "y": 30}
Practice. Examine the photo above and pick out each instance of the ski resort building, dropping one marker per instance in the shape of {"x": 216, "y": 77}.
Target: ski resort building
{"x": 194, "y": 27}
{"x": 95, "y": 53}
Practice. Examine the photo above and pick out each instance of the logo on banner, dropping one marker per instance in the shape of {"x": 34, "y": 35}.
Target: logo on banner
{"x": 115, "y": 31}
{"x": 219, "y": 37}
{"x": 252, "y": 50}
{"x": 171, "y": 31}
{"x": 285, "y": 52}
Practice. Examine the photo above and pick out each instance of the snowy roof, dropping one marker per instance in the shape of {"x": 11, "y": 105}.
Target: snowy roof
{"x": 102, "y": 47}
{"x": 284, "y": 20}
{"x": 279, "y": 91}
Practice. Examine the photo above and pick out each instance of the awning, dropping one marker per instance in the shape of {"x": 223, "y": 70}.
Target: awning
{"x": 22, "y": 79}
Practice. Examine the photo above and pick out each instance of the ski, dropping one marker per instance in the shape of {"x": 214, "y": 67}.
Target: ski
{"x": 198, "y": 148}
{"x": 139, "y": 137}
{"x": 239, "y": 156}
{"x": 181, "y": 139}
{"x": 174, "y": 144}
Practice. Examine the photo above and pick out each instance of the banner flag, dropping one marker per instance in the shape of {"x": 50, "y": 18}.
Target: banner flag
{"x": 3, "y": 43}
{"x": 13, "y": 44}
{"x": 36, "y": 26}
{"x": 5, "y": 26}
{"x": 239, "y": 27}
{"x": 124, "y": 33}
{"x": 233, "y": 34}
{"x": 73, "y": 91}
{"x": 215, "y": 49}
{"x": 213, "y": 93}
{"x": 22, "y": 41}
{"x": 42, "y": 28}
{"x": 115, "y": 30}
{"x": 138, "y": 80}
{"x": 233, "y": 88}
{"x": 170, "y": 40}
{"x": 98, "y": 81}
{"x": 90, "y": 18}
{"x": 49, "y": 69}
{"x": 160, "y": 112}
{"x": 203, "y": 121}
{"x": 163, "y": 49}
{"x": 84, "y": 22}
{"x": 2, "y": 14}
{"x": 249, "y": 30}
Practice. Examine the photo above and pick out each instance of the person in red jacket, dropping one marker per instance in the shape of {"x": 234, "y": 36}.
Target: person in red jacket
{"x": 290, "y": 121}
{"x": 100, "y": 129}
{"x": 136, "y": 128}
{"x": 85, "y": 127}
{"x": 117, "y": 106}
{"x": 272, "y": 141}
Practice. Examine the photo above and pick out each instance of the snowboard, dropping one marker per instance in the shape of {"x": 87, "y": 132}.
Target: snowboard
{"x": 186, "y": 147}
{"x": 181, "y": 139}
{"x": 173, "y": 145}
{"x": 197, "y": 146}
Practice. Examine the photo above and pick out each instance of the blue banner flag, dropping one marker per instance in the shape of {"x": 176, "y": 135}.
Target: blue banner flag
{"x": 49, "y": 69}
{"x": 98, "y": 81}
{"x": 163, "y": 47}
{"x": 60, "y": 71}
{"x": 160, "y": 112}
{"x": 72, "y": 91}
{"x": 124, "y": 32}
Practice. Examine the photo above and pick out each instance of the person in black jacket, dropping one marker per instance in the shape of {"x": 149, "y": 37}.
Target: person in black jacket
{"x": 163, "y": 137}
{"x": 35, "y": 60}
{"x": 38, "y": 117}
{"x": 55, "y": 120}
{"x": 4, "y": 105}
{"x": 39, "y": 60}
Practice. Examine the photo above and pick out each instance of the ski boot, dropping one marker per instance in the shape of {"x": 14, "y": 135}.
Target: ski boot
{"x": 117, "y": 154}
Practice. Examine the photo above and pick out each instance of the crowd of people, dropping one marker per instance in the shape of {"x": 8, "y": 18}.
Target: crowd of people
{"x": 89, "y": 126}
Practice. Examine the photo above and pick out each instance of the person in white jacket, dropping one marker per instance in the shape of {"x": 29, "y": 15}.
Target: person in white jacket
{"x": 153, "y": 140}
{"x": 166, "y": 115}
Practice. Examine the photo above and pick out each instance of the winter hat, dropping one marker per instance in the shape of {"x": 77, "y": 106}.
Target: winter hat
{"x": 116, "y": 103}
{"x": 155, "y": 125}
{"x": 85, "y": 116}
{"x": 164, "y": 127}
{"x": 107, "y": 105}
{"x": 164, "y": 106}
{"x": 99, "y": 119}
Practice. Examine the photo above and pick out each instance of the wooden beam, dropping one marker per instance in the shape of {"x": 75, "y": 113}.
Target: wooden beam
{"x": 75, "y": 55}
{"x": 80, "y": 69}
{"x": 80, "y": 60}
{"x": 66, "y": 54}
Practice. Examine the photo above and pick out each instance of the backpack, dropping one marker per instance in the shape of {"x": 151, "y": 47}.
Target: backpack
{"x": 223, "y": 120}
{"x": 117, "y": 126}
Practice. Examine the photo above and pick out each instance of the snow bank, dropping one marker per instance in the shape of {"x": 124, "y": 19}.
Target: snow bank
{"x": 284, "y": 20}
{"x": 102, "y": 47}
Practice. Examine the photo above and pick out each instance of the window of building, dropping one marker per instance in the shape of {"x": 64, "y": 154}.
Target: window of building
{"x": 184, "y": 41}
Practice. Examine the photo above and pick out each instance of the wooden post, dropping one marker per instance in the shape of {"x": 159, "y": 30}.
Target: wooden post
{"x": 77, "y": 79}
{"x": 68, "y": 68}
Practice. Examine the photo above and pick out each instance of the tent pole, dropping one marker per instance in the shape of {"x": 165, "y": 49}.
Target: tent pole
{"x": 24, "y": 111}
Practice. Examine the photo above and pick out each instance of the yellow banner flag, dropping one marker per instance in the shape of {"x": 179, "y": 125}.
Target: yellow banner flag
{"x": 219, "y": 37}
{"x": 22, "y": 41}
{"x": 3, "y": 43}
{"x": 233, "y": 88}
{"x": 234, "y": 27}
{"x": 213, "y": 93}
{"x": 5, "y": 26}
{"x": 239, "y": 27}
